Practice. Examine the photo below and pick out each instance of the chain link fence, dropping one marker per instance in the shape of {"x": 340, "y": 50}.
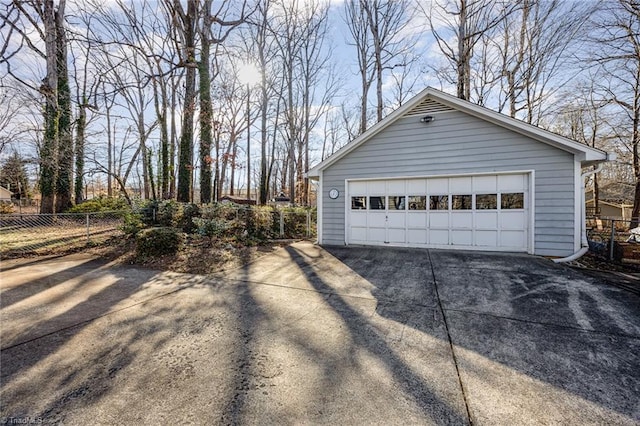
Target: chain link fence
{"x": 270, "y": 222}
{"x": 613, "y": 240}
{"x": 22, "y": 234}
{"x": 26, "y": 234}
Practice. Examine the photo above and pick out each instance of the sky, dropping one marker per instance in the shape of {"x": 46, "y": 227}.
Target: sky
{"x": 31, "y": 67}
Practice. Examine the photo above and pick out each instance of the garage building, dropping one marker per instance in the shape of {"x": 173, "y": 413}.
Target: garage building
{"x": 442, "y": 172}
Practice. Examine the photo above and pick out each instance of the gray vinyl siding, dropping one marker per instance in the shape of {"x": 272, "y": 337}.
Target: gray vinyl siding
{"x": 457, "y": 143}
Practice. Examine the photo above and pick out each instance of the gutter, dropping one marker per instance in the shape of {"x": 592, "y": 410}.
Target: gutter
{"x": 584, "y": 244}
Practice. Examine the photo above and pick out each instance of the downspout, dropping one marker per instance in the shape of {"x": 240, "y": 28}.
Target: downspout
{"x": 583, "y": 226}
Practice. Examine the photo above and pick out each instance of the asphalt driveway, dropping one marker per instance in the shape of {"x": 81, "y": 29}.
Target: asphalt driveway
{"x": 307, "y": 335}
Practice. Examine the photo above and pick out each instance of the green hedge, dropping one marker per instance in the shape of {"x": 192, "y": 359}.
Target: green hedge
{"x": 235, "y": 223}
{"x": 100, "y": 204}
{"x": 158, "y": 241}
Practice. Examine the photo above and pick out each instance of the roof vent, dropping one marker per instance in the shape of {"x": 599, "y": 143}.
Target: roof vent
{"x": 428, "y": 106}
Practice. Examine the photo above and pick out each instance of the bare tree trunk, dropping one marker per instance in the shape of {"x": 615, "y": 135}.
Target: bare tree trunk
{"x": 206, "y": 138}
{"x": 173, "y": 143}
{"x": 48, "y": 153}
{"x": 463, "y": 54}
{"x": 356, "y": 20}
{"x": 233, "y": 168}
{"x": 185, "y": 164}
{"x": 81, "y": 124}
{"x": 65, "y": 138}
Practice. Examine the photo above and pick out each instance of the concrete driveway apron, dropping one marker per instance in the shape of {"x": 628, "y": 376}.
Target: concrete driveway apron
{"x": 307, "y": 335}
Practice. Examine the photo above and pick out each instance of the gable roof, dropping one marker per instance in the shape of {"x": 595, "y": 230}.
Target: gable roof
{"x": 431, "y": 100}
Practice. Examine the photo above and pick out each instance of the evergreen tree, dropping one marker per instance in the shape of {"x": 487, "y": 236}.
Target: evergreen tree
{"x": 13, "y": 176}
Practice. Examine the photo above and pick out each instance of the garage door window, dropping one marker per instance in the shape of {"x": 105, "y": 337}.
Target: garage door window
{"x": 461, "y": 202}
{"x": 376, "y": 203}
{"x": 513, "y": 200}
{"x": 439, "y": 202}
{"x": 417, "y": 202}
{"x": 486, "y": 201}
{"x": 397, "y": 203}
{"x": 358, "y": 203}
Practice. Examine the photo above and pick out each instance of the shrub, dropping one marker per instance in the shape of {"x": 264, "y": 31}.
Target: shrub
{"x": 147, "y": 209}
{"x": 168, "y": 212}
{"x": 100, "y": 204}
{"x": 256, "y": 224}
{"x": 158, "y": 241}
{"x": 185, "y": 217}
{"x": 132, "y": 224}
{"x": 212, "y": 228}
{"x": 6, "y": 207}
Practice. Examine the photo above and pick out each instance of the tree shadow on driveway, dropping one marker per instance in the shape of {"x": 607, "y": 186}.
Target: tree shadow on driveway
{"x": 369, "y": 338}
{"x": 543, "y": 340}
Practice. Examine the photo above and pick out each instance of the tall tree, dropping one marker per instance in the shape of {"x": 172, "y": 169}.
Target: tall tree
{"x": 359, "y": 28}
{"x": 185, "y": 23}
{"x": 46, "y": 21}
{"x": 387, "y": 20}
{"x": 13, "y": 175}
{"x": 206, "y": 122}
{"x": 458, "y": 26}
{"x": 617, "y": 52}
{"x": 224, "y": 26}
{"x": 64, "y": 172}
{"x": 535, "y": 45}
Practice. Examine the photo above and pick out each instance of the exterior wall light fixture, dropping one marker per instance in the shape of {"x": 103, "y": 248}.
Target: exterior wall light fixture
{"x": 427, "y": 119}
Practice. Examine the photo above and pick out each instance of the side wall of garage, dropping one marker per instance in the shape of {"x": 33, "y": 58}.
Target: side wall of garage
{"x": 457, "y": 143}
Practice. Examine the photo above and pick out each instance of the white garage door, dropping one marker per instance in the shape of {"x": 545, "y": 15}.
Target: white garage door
{"x": 487, "y": 212}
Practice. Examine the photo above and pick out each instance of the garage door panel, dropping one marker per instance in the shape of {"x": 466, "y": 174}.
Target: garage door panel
{"x": 417, "y": 236}
{"x": 460, "y": 185}
{"x": 396, "y": 236}
{"x": 462, "y": 237}
{"x": 461, "y": 220}
{"x": 359, "y": 217}
{"x": 417, "y": 220}
{"x": 512, "y": 183}
{"x": 439, "y": 236}
{"x": 439, "y": 220}
{"x": 397, "y": 186}
{"x": 486, "y": 220}
{"x": 396, "y": 220}
{"x": 376, "y": 235}
{"x": 358, "y": 188}
{"x": 487, "y": 238}
{"x": 377, "y": 220}
{"x": 513, "y": 220}
{"x": 358, "y": 235}
{"x": 512, "y": 238}
{"x": 377, "y": 187}
{"x": 416, "y": 186}
{"x": 438, "y": 186}
{"x": 485, "y": 184}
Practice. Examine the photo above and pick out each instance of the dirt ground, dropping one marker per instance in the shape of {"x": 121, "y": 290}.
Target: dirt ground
{"x": 196, "y": 255}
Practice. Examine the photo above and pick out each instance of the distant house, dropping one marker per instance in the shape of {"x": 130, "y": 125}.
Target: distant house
{"x": 5, "y": 194}
{"x": 442, "y": 172}
{"x": 237, "y": 200}
{"x": 615, "y": 200}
